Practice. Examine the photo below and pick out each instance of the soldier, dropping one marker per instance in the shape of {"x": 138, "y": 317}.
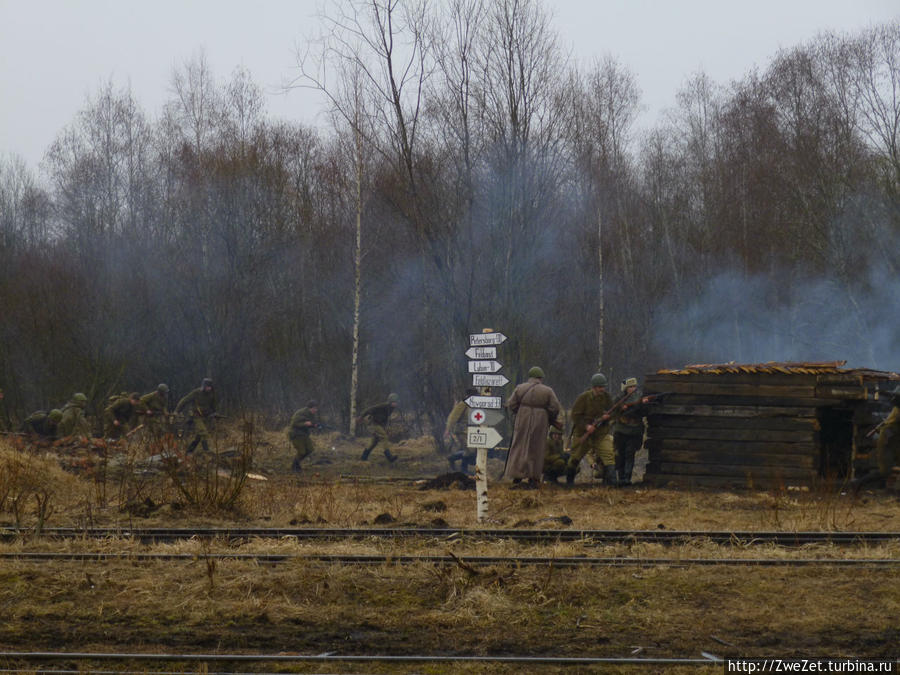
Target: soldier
{"x": 302, "y": 422}
{"x": 155, "y": 406}
{"x": 199, "y": 405}
{"x": 455, "y": 434}
{"x": 887, "y": 448}
{"x": 378, "y": 416}
{"x": 120, "y": 416}
{"x": 73, "y": 422}
{"x": 590, "y": 431}
{"x": 536, "y": 407}
{"x": 555, "y": 459}
{"x": 43, "y": 424}
{"x": 5, "y": 421}
{"x": 628, "y": 431}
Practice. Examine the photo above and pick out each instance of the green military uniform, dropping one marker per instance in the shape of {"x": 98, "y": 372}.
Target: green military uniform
{"x": 455, "y": 431}
{"x": 155, "y": 407}
{"x": 588, "y": 408}
{"x": 121, "y": 415}
{"x": 556, "y": 459}
{"x": 302, "y": 422}
{"x": 5, "y": 421}
{"x": 378, "y": 418}
{"x": 43, "y": 424}
{"x": 628, "y": 432}
{"x": 200, "y": 406}
{"x": 73, "y": 422}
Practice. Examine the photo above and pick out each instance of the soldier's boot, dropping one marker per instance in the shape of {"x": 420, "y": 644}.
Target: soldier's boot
{"x": 391, "y": 457}
{"x": 367, "y": 451}
{"x": 456, "y": 456}
{"x": 205, "y": 445}
{"x": 625, "y": 474}
{"x": 609, "y": 476}
{"x": 570, "y": 475}
{"x": 295, "y": 466}
{"x": 464, "y": 464}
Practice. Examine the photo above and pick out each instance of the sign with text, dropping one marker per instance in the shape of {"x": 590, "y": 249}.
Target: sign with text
{"x": 493, "y": 402}
{"x": 482, "y": 437}
{"x": 482, "y": 339}
{"x": 484, "y": 366}
{"x": 483, "y": 380}
{"x": 481, "y": 352}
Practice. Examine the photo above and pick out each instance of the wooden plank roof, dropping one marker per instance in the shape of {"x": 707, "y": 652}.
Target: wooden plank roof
{"x": 780, "y": 368}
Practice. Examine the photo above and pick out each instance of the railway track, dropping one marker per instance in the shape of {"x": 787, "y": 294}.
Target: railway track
{"x": 590, "y": 537}
{"x": 451, "y": 560}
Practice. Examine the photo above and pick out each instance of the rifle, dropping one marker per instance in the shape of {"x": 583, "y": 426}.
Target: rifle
{"x": 645, "y": 400}
{"x": 874, "y": 430}
{"x": 599, "y": 420}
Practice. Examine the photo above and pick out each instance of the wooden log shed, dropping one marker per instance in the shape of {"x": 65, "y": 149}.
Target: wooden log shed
{"x": 762, "y": 425}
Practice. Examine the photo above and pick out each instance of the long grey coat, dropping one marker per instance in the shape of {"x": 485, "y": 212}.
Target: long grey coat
{"x": 535, "y": 407}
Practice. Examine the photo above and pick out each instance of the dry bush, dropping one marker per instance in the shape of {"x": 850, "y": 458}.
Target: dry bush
{"x": 31, "y": 488}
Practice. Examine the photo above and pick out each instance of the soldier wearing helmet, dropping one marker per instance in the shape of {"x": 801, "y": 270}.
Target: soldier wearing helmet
{"x": 74, "y": 422}
{"x": 200, "y": 407}
{"x": 121, "y": 415}
{"x": 378, "y": 416}
{"x": 43, "y": 424}
{"x": 302, "y": 423}
{"x": 555, "y": 459}
{"x": 154, "y": 407}
{"x": 628, "y": 430}
{"x": 591, "y": 432}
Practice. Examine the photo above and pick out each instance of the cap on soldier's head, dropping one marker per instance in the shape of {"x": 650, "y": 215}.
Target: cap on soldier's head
{"x": 163, "y": 387}
{"x": 535, "y": 371}
{"x": 312, "y": 403}
{"x": 133, "y": 395}
{"x": 598, "y": 380}
{"x": 555, "y": 432}
{"x": 629, "y": 382}
{"x": 393, "y": 398}
{"x": 55, "y": 415}
{"x": 207, "y": 382}
{"x": 79, "y": 398}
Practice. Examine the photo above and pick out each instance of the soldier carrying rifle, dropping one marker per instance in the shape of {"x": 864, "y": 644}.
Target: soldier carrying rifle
{"x": 199, "y": 405}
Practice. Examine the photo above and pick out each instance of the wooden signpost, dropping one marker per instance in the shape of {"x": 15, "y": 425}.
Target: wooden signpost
{"x": 484, "y": 414}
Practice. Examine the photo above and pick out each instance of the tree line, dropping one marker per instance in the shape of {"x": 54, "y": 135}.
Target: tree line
{"x": 471, "y": 175}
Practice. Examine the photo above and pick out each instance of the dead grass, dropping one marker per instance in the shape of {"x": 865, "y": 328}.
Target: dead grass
{"x": 306, "y": 607}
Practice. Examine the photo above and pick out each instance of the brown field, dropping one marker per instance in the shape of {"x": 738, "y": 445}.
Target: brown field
{"x": 306, "y": 607}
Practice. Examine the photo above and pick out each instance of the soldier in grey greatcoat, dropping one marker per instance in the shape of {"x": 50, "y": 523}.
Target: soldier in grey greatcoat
{"x": 536, "y": 407}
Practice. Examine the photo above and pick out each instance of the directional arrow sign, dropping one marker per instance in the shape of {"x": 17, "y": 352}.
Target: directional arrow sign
{"x": 487, "y": 418}
{"x": 495, "y": 402}
{"x": 489, "y": 380}
{"x": 482, "y": 437}
{"x": 482, "y": 352}
{"x": 484, "y": 366}
{"x": 481, "y": 339}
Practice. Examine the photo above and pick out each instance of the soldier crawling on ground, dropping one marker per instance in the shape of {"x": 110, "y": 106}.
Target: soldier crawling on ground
{"x": 74, "y": 422}
{"x": 43, "y": 424}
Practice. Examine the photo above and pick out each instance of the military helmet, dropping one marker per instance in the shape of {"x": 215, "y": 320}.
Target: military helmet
{"x": 535, "y": 371}
{"x": 393, "y": 398}
{"x": 79, "y": 398}
{"x": 55, "y": 415}
{"x": 312, "y": 403}
{"x": 163, "y": 387}
{"x": 598, "y": 380}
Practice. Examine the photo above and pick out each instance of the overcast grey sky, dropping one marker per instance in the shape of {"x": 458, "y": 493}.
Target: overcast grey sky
{"x": 55, "y": 53}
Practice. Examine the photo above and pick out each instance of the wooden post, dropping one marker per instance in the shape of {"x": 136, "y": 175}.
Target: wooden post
{"x": 481, "y": 484}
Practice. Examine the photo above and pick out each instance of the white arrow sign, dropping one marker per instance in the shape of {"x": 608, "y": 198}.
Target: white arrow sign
{"x": 482, "y": 437}
{"x": 489, "y": 380}
{"x": 486, "y": 418}
{"x": 482, "y": 352}
{"x": 484, "y": 366}
{"x": 481, "y": 339}
{"x": 495, "y": 402}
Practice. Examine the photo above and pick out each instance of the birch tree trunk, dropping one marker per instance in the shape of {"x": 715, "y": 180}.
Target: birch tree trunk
{"x": 357, "y": 279}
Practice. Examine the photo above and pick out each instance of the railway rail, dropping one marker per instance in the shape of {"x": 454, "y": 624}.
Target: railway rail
{"x": 591, "y": 537}
{"x": 450, "y": 560}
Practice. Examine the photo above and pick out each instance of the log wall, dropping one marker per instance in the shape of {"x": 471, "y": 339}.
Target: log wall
{"x": 748, "y": 429}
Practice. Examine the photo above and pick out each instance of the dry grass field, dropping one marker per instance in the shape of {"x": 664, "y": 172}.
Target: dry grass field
{"x": 205, "y": 605}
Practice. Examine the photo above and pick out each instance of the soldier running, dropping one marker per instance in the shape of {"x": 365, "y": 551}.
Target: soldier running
{"x": 302, "y": 423}
{"x": 378, "y": 416}
{"x": 200, "y": 406}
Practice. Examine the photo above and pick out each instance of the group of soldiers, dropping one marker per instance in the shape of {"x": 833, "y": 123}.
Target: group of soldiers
{"x": 125, "y": 414}
{"x": 609, "y": 432}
